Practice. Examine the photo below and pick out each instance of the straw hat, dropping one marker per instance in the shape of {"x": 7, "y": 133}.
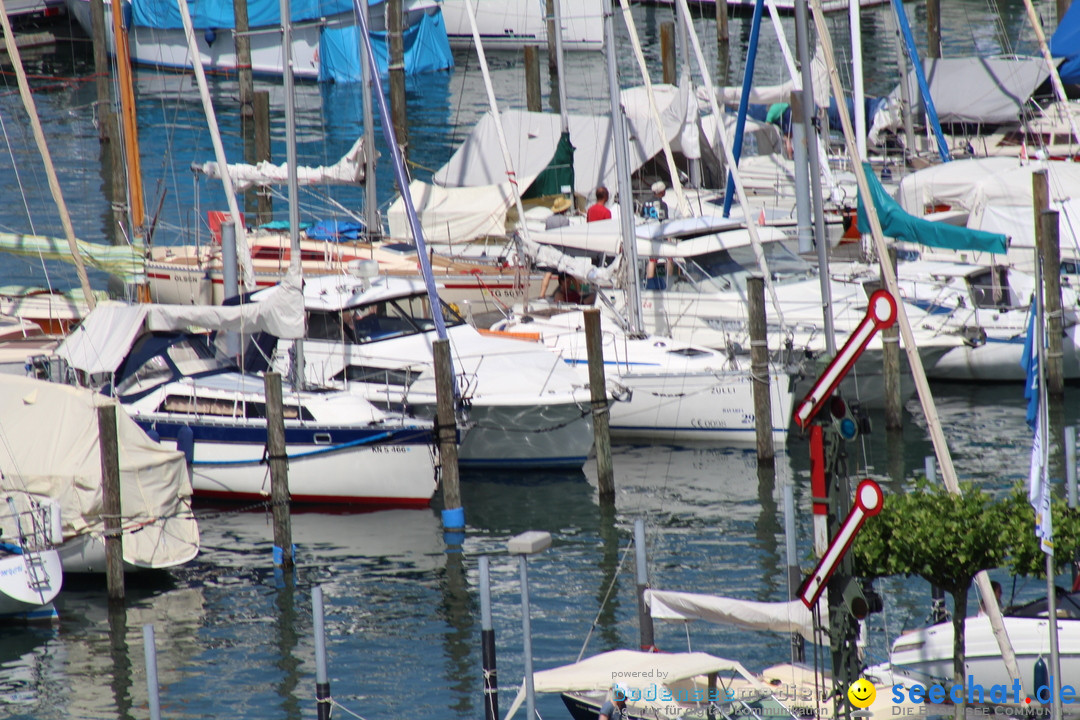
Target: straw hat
{"x": 561, "y": 204}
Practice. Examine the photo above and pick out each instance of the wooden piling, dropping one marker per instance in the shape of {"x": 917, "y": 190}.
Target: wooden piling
{"x": 594, "y": 344}
{"x": 261, "y": 107}
{"x": 1050, "y": 251}
{"x": 1040, "y": 196}
{"x": 279, "y": 470}
{"x": 446, "y": 429}
{"x": 553, "y": 56}
{"x": 396, "y": 42}
{"x": 890, "y": 339}
{"x": 533, "y": 99}
{"x": 110, "y": 501}
{"x": 723, "y": 44}
{"x": 243, "y": 59}
{"x": 933, "y": 28}
{"x": 759, "y": 370}
{"x": 667, "y": 52}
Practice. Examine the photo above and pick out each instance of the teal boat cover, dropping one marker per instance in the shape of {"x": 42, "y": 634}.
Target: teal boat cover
{"x": 559, "y": 173}
{"x": 897, "y": 223}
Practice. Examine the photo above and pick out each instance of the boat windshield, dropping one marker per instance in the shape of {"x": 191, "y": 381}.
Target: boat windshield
{"x": 380, "y": 320}
{"x": 729, "y": 269}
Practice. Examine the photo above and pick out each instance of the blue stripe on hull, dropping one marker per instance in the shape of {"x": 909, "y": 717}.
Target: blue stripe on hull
{"x": 293, "y": 435}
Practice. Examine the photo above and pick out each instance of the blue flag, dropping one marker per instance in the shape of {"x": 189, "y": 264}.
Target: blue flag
{"x": 1030, "y": 362}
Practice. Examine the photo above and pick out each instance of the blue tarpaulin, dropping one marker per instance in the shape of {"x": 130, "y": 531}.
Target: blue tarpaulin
{"x": 165, "y": 14}
{"x": 427, "y": 49}
{"x": 1065, "y": 42}
{"x": 897, "y": 223}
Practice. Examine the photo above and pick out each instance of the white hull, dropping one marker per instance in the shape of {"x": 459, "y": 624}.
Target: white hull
{"x": 30, "y": 570}
{"x": 513, "y": 24}
{"x": 929, "y": 651}
{"x": 168, "y": 48}
{"x": 28, "y": 585}
{"x": 665, "y": 390}
{"x": 186, "y": 275}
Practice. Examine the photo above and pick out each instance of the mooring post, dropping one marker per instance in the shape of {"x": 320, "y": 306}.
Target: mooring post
{"x": 594, "y": 345}
{"x": 667, "y": 52}
{"x": 453, "y": 514}
{"x": 1050, "y": 252}
{"x": 395, "y": 31}
{"x": 533, "y": 99}
{"x": 645, "y": 623}
{"x": 153, "y": 692}
{"x": 279, "y": 471}
{"x": 323, "y": 705}
{"x": 487, "y": 645}
{"x": 890, "y": 342}
{"x": 261, "y": 106}
{"x": 111, "y": 508}
{"x": 759, "y": 370}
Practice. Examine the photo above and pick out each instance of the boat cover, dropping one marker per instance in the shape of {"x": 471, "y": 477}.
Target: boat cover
{"x": 996, "y": 194}
{"x": 896, "y": 223}
{"x": 596, "y": 672}
{"x": 976, "y": 90}
{"x": 1065, "y": 43}
{"x": 781, "y": 617}
{"x": 102, "y": 341}
{"x": 50, "y": 447}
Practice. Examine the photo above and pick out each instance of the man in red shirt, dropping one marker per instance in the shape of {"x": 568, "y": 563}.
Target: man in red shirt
{"x": 599, "y": 209}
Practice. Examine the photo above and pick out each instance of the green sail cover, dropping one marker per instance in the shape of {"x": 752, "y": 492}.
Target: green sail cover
{"x": 558, "y": 174}
{"x": 897, "y": 223}
{"x": 124, "y": 261}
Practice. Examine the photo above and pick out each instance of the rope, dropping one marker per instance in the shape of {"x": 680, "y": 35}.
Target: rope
{"x": 604, "y": 602}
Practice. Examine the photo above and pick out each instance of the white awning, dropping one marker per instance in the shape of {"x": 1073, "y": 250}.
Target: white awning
{"x": 781, "y": 617}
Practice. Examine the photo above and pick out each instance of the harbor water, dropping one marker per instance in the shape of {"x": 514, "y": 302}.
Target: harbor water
{"x": 235, "y": 638}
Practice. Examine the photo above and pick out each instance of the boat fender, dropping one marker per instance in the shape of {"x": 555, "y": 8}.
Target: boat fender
{"x": 1041, "y": 676}
{"x": 210, "y": 36}
{"x": 185, "y": 443}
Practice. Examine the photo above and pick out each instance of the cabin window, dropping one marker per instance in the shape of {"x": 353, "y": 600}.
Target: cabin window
{"x": 291, "y": 412}
{"x": 152, "y": 372}
{"x": 188, "y": 405}
{"x": 400, "y": 377}
{"x": 193, "y": 357}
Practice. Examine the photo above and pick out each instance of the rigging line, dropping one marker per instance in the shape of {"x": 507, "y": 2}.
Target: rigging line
{"x": 604, "y": 602}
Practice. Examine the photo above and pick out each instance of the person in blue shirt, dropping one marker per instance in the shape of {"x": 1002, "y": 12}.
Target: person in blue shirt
{"x": 615, "y": 707}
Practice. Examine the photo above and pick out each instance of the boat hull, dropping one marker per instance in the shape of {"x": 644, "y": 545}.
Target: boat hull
{"x": 364, "y": 466}
{"x": 532, "y": 436}
{"x": 928, "y": 652}
{"x": 29, "y": 582}
{"x": 517, "y": 23}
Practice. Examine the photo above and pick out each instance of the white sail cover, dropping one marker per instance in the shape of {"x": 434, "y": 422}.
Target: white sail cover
{"x": 996, "y": 194}
{"x": 50, "y": 447}
{"x": 454, "y": 214}
{"x": 781, "y": 617}
{"x": 770, "y": 94}
{"x": 102, "y": 341}
{"x": 976, "y": 90}
{"x": 598, "y": 671}
{"x": 349, "y": 170}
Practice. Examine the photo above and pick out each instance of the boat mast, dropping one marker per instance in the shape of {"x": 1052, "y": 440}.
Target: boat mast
{"x": 244, "y": 253}
{"x": 622, "y": 168}
{"x": 43, "y": 148}
{"x": 933, "y": 421}
{"x": 398, "y": 162}
{"x": 129, "y": 126}
{"x": 372, "y": 224}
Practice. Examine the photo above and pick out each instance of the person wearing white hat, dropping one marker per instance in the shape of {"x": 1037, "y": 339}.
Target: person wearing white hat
{"x": 658, "y": 207}
{"x": 615, "y": 708}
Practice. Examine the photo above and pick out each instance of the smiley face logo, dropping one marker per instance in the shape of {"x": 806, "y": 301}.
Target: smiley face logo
{"x": 862, "y": 693}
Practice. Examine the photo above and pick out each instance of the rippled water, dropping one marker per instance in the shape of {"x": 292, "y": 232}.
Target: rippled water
{"x": 235, "y": 640}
